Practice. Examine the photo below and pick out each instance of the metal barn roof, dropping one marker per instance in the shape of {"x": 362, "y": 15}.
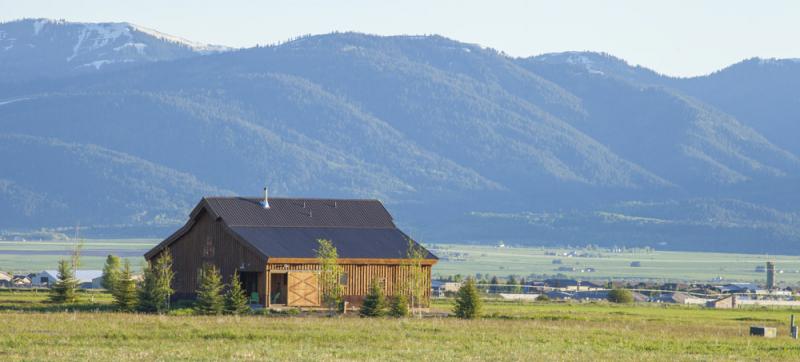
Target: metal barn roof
{"x": 285, "y": 212}
{"x": 291, "y": 228}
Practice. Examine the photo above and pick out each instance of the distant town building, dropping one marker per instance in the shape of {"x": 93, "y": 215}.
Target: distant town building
{"x": 87, "y": 279}
{"x": 6, "y": 280}
{"x": 723, "y": 303}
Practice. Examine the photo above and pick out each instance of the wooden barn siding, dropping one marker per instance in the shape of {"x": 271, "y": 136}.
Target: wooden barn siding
{"x": 228, "y": 255}
{"x": 359, "y": 276}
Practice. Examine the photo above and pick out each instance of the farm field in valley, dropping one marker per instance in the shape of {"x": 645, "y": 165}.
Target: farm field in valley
{"x": 33, "y": 330}
{"x": 32, "y": 256}
{"x": 655, "y": 265}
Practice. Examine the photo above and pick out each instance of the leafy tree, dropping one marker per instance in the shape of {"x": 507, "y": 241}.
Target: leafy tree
{"x": 236, "y": 301}
{"x": 468, "y": 303}
{"x": 111, "y": 272}
{"x": 124, "y": 290}
{"x": 374, "y": 303}
{"x": 163, "y": 273}
{"x": 209, "y": 292}
{"x": 623, "y": 296}
{"x": 63, "y": 291}
{"x": 156, "y": 287}
{"x": 417, "y": 283}
{"x": 398, "y": 306}
{"x": 330, "y": 274}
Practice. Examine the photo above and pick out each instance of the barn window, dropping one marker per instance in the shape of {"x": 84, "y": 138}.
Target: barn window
{"x": 343, "y": 279}
{"x": 208, "y": 249}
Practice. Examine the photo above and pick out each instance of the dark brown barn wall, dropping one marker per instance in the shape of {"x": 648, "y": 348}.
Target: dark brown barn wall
{"x": 208, "y": 242}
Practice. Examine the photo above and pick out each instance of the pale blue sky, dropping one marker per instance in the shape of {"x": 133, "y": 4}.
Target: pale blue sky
{"x": 678, "y": 37}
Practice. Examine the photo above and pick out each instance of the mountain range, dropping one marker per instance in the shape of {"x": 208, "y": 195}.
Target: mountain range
{"x": 123, "y": 129}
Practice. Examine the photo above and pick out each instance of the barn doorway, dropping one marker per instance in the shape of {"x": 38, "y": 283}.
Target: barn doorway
{"x": 278, "y": 288}
{"x": 249, "y": 282}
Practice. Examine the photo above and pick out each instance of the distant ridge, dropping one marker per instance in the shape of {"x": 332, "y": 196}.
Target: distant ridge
{"x": 461, "y": 143}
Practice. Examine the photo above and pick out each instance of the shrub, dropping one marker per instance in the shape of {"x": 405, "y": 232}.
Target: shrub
{"x": 620, "y": 296}
{"x": 209, "y": 292}
{"x": 542, "y": 298}
{"x": 468, "y": 302}
{"x": 374, "y": 303}
{"x": 399, "y": 306}
{"x": 236, "y": 301}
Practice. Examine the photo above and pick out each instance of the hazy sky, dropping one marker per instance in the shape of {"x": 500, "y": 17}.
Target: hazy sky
{"x": 674, "y": 37}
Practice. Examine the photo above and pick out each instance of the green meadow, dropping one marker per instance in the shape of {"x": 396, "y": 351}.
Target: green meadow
{"x": 35, "y": 330}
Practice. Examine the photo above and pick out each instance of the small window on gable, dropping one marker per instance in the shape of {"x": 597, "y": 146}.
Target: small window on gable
{"x": 208, "y": 248}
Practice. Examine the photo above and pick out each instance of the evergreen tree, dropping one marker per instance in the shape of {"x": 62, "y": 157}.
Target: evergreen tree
{"x": 63, "y": 291}
{"x": 236, "y": 301}
{"x": 494, "y": 282}
{"x": 399, "y": 306}
{"x": 468, "y": 302}
{"x": 374, "y": 303}
{"x": 147, "y": 290}
{"x": 209, "y": 292}
{"x": 124, "y": 291}
{"x": 111, "y": 272}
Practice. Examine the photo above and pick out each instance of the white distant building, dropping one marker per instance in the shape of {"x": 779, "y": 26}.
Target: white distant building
{"x": 87, "y": 279}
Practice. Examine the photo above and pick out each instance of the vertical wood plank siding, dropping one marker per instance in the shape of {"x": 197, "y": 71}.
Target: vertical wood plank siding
{"x": 359, "y": 276}
{"x": 207, "y": 242}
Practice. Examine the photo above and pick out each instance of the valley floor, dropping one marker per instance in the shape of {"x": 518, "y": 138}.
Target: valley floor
{"x": 32, "y": 330}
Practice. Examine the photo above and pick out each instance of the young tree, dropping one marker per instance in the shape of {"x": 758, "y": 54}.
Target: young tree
{"x": 111, "y": 272}
{"x": 147, "y": 293}
{"x": 236, "y": 301}
{"x": 374, "y": 304}
{"x": 399, "y": 306}
{"x": 156, "y": 287}
{"x": 162, "y": 291}
{"x": 330, "y": 274}
{"x": 417, "y": 283}
{"x": 124, "y": 290}
{"x": 468, "y": 303}
{"x": 209, "y": 292}
{"x": 63, "y": 291}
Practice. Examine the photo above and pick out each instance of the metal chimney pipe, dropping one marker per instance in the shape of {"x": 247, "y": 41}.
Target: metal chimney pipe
{"x": 266, "y": 198}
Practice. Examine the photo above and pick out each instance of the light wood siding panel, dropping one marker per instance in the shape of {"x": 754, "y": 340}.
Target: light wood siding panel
{"x": 208, "y": 242}
{"x": 359, "y": 276}
{"x": 303, "y": 289}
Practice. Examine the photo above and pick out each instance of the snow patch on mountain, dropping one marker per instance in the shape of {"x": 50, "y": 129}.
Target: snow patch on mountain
{"x": 138, "y": 46}
{"x": 196, "y": 46}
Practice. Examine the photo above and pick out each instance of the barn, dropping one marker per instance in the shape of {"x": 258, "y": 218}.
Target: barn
{"x": 272, "y": 243}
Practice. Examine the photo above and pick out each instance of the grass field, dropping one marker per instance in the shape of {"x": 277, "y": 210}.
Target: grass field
{"x": 35, "y": 256}
{"x": 510, "y": 332}
{"x": 658, "y": 265}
